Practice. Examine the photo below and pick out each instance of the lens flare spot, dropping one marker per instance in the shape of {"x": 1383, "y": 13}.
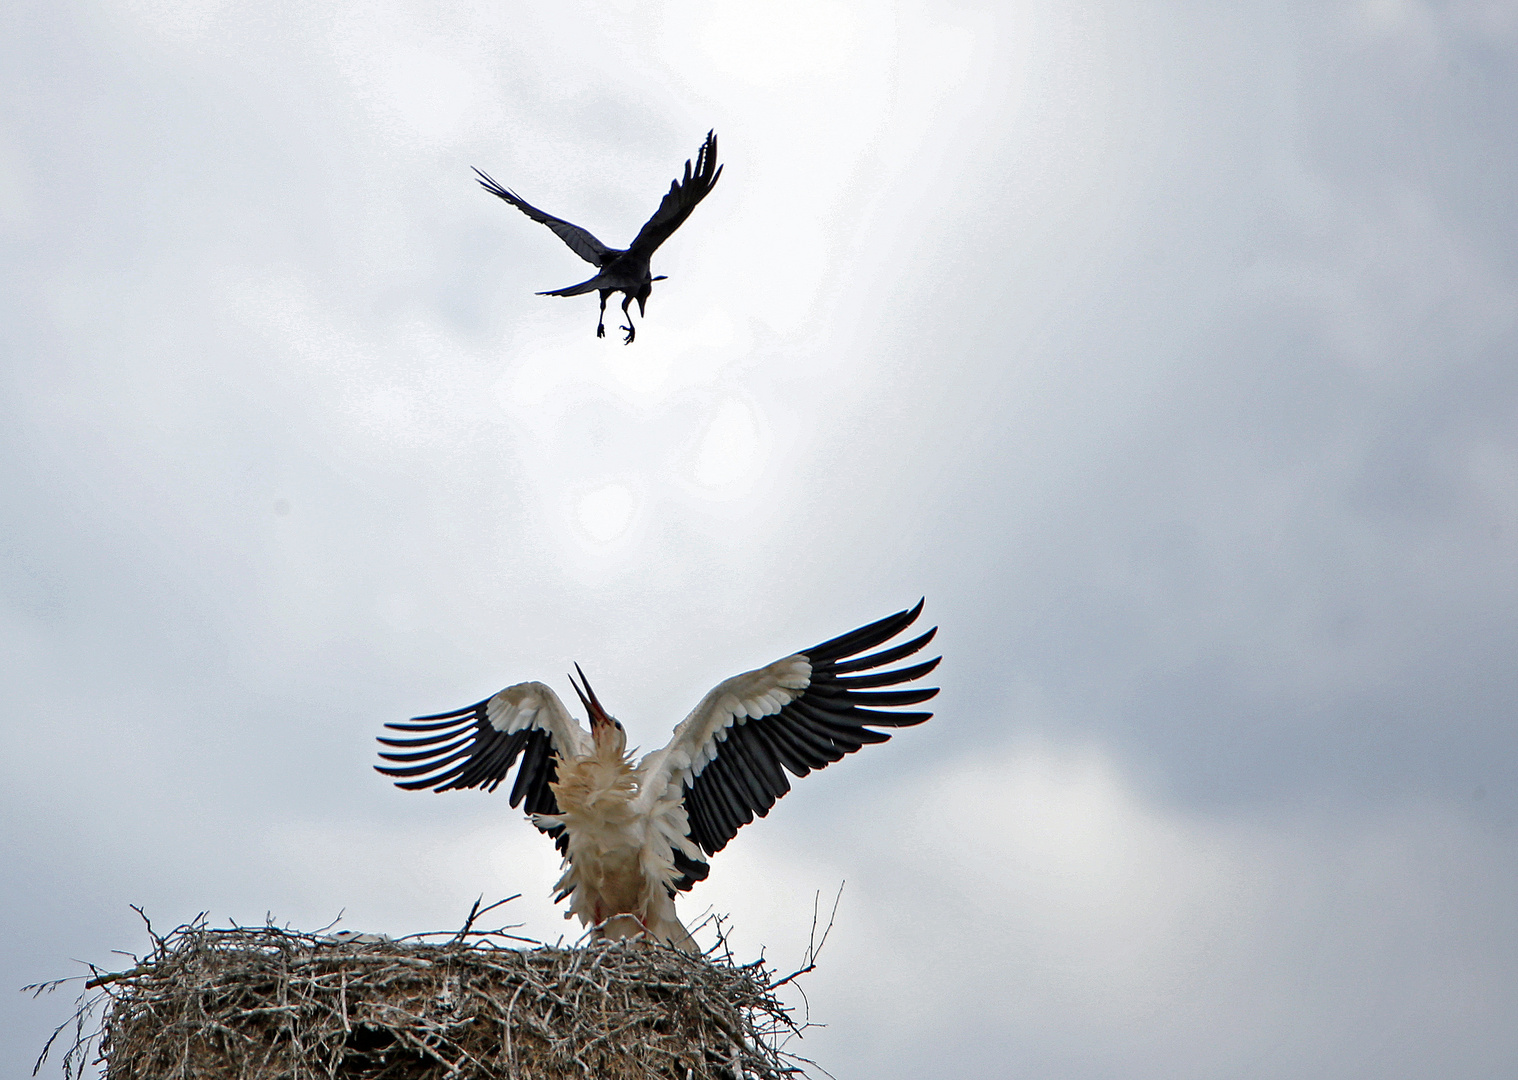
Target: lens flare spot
{"x": 606, "y": 513}
{"x": 728, "y": 455}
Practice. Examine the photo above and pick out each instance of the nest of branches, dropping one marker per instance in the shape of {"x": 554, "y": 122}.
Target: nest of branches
{"x": 266, "y": 1003}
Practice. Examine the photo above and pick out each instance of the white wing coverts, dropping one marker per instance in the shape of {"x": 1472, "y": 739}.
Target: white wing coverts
{"x": 729, "y": 757}
{"x": 476, "y": 746}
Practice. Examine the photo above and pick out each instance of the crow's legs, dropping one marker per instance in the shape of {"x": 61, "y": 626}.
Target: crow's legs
{"x": 601, "y": 325}
{"x": 627, "y": 298}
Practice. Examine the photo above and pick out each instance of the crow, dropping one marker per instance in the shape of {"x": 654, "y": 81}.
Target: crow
{"x": 625, "y": 270}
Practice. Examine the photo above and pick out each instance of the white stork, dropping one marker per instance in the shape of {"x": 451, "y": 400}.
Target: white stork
{"x": 632, "y": 836}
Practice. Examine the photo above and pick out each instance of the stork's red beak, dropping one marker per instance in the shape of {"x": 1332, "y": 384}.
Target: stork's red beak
{"x": 598, "y": 715}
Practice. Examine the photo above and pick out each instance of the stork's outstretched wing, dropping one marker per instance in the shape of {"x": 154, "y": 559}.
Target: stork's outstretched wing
{"x": 681, "y": 200}
{"x": 730, "y": 755}
{"x": 580, "y": 241}
{"x": 476, "y": 746}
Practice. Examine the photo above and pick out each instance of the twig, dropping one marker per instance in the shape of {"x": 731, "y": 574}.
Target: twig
{"x": 813, "y": 946}
{"x": 101, "y": 980}
{"x": 475, "y": 911}
{"x": 38, "y": 989}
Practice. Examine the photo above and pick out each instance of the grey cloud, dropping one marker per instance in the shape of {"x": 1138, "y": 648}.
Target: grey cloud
{"x": 1169, "y": 354}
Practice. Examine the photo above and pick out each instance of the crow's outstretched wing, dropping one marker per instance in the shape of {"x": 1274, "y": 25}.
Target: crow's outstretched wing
{"x": 580, "y": 241}
{"x": 681, "y": 200}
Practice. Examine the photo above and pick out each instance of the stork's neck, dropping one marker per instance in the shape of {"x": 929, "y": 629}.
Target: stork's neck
{"x": 610, "y": 743}
{"x": 601, "y": 784}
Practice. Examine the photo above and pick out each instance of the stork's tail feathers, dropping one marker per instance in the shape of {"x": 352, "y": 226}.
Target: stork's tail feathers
{"x": 661, "y": 925}
{"x": 673, "y": 932}
{"x": 618, "y": 927}
{"x": 664, "y": 925}
{"x": 667, "y": 931}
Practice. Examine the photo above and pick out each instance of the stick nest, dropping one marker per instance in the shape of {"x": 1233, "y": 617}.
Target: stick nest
{"x": 267, "y": 1003}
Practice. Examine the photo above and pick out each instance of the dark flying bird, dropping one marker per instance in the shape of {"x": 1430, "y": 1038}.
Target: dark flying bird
{"x": 625, "y": 271}
{"x": 632, "y": 836}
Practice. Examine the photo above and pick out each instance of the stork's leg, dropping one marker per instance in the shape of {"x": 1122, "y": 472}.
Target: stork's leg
{"x": 601, "y": 324}
{"x": 631, "y": 333}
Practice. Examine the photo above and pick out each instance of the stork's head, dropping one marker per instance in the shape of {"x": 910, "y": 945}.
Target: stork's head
{"x": 605, "y": 729}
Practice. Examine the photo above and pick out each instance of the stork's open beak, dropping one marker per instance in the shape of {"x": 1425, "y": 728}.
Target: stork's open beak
{"x": 598, "y": 715}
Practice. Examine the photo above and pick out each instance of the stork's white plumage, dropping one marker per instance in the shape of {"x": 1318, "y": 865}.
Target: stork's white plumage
{"x": 632, "y": 836}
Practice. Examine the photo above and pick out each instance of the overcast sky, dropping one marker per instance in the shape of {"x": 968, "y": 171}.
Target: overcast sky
{"x": 1170, "y": 350}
